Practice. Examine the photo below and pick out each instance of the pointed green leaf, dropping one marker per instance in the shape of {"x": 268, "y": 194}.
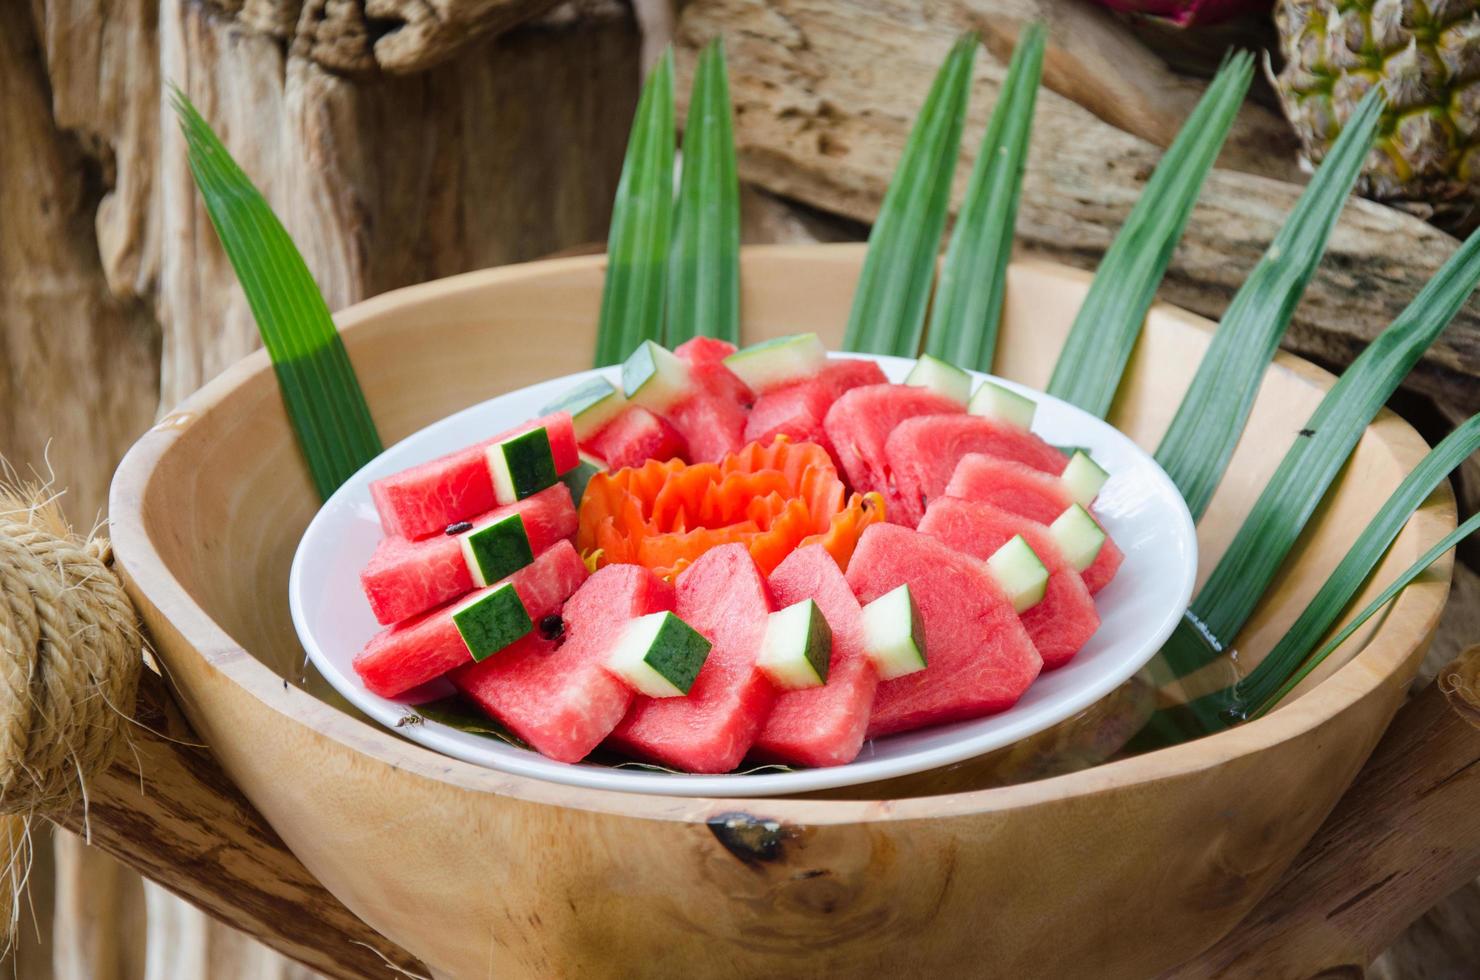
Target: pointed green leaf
{"x": 1196, "y": 448}
{"x": 1449, "y": 541}
{"x": 968, "y": 302}
{"x": 704, "y": 274}
{"x": 1220, "y": 709}
{"x": 642, "y": 224}
{"x": 1100, "y": 341}
{"x": 889, "y": 303}
{"x": 1320, "y": 450}
{"x": 323, "y": 397}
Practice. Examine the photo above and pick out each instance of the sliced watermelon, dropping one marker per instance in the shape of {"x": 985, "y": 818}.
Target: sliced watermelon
{"x": 422, "y": 649}
{"x": 706, "y": 359}
{"x": 712, "y": 425}
{"x": 821, "y": 726}
{"x": 724, "y": 597}
{"x": 859, "y": 423}
{"x": 796, "y": 410}
{"x": 550, "y": 688}
{"x": 923, "y": 452}
{"x": 979, "y": 657}
{"x": 1060, "y": 623}
{"x": 634, "y": 437}
{"x": 1019, "y": 489}
{"x": 405, "y": 578}
{"x": 426, "y": 499}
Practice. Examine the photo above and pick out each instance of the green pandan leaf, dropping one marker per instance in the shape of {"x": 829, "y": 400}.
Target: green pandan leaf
{"x": 704, "y": 270}
{"x": 325, "y": 403}
{"x": 642, "y": 226}
{"x": 1104, "y": 332}
{"x": 1196, "y": 448}
{"x": 1321, "y": 448}
{"x": 968, "y": 303}
{"x": 893, "y": 290}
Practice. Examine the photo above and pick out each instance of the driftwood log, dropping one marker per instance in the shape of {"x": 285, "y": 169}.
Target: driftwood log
{"x": 405, "y": 139}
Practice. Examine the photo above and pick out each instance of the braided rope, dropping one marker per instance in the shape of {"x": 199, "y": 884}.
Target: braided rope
{"x": 70, "y": 654}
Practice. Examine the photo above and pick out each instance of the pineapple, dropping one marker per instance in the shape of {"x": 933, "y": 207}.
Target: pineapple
{"x": 1427, "y": 57}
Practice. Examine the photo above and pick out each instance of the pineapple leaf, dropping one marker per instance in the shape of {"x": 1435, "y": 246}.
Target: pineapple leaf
{"x": 1196, "y": 448}
{"x": 1100, "y": 341}
{"x": 968, "y": 303}
{"x": 704, "y": 270}
{"x": 325, "y": 403}
{"x": 889, "y": 303}
{"x": 642, "y": 224}
{"x": 1267, "y": 682}
{"x": 1321, "y": 448}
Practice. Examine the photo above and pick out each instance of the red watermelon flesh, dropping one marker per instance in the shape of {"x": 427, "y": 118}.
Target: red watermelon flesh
{"x": 723, "y": 596}
{"x": 859, "y": 423}
{"x": 422, "y": 649}
{"x": 405, "y": 578}
{"x": 713, "y": 425}
{"x": 1065, "y": 619}
{"x": 705, "y": 357}
{"x": 797, "y": 409}
{"x": 557, "y": 696}
{"x": 821, "y": 726}
{"x": 922, "y": 454}
{"x": 423, "y": 500}
{"x": 979, "y": 657}
{"x": 634, "y": 437}
{"x": 1020, "y": 489}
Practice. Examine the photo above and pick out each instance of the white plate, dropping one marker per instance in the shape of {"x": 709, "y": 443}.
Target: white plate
{"x": 1139, "y": 507}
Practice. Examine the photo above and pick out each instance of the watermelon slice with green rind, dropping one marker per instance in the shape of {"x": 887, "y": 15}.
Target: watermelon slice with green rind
{"x": 709, "y": 730}
{"x": 979, "y": 657}
{"x": 422, "y": 649}
{"x": 424, "y": 500}
{"x": 551, "y": 689}
{"x": 821, "y": 726}
{"x": 1020, "y": 489}
{"x": 406, "y": 578}
{"x": 1065, "y": 618}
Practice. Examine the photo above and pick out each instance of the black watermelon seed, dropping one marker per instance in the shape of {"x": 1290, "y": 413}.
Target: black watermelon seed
{"x": 552, "y": 627}
{"x": 459, "y": 527}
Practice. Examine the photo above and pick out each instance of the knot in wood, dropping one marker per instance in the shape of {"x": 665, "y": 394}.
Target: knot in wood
{"x": 70, "y": 653}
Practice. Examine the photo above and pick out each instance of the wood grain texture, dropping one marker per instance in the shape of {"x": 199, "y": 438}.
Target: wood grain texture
{"x": 1403, "y": 837}
{"x": 755, "y": 887}
{"x": 825, "y": 91}
{"x": 168, "y": 811}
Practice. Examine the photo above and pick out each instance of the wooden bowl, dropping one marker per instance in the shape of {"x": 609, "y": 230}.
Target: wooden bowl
{"x": 1119, "y": 870}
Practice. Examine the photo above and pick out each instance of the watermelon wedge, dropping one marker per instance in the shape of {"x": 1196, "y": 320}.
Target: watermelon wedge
{"x": 634, "y": 437}
{"x": 1019, "y": 489}
{"x": 706, "y": 359}
{"x": 426, "y": 499}
{"x": 422, "y": 649}
{"x": 550, "y": 688}
{"x": 1065, "y": 618}
{"x": 724, "y": 597}
{"x": 979, "y": 657}
{"x": 858, "y": 425}
{"x": 821, "y": 726}
{"x": 405, "y": 578}
{"x": 713, "y": 425}
{"x": 922, "y": 453}
{"x": 797, "y": 410}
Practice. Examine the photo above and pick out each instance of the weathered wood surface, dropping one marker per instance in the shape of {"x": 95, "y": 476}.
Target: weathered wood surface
{"x": 825, "y": 91}
{"x": 1403, "y": 837}
{"x": 166, "y": 810}
{"x": 382, "y": 179}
